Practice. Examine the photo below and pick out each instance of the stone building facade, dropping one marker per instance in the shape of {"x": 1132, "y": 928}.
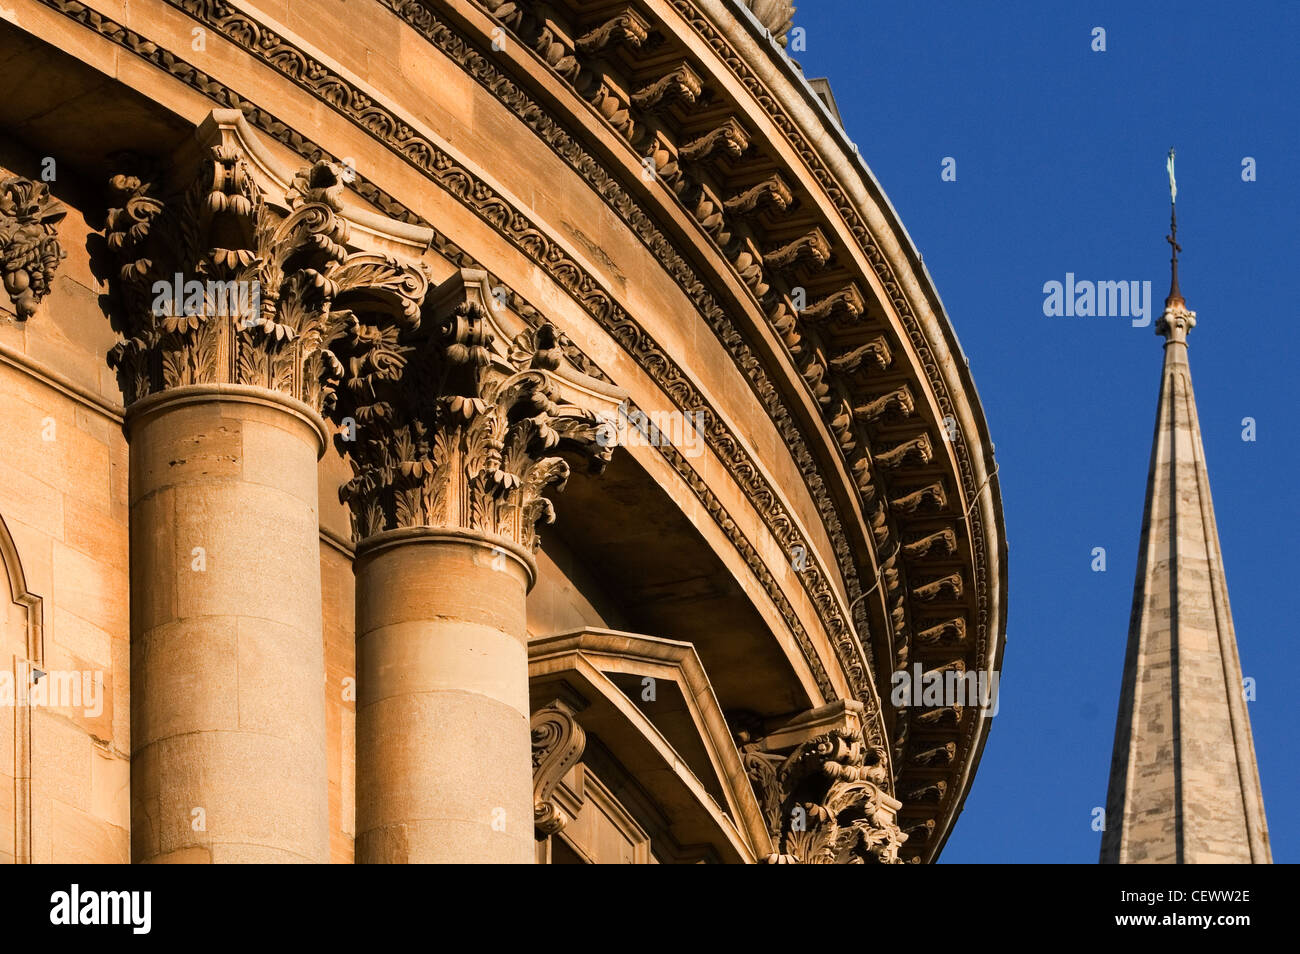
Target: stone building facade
{"x": 467, "y": 430}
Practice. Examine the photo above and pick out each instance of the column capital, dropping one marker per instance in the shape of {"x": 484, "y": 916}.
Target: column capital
{"x": 821, "y": 790}
{"x": 448, "y": 427}
{"x": 233, "y": 272}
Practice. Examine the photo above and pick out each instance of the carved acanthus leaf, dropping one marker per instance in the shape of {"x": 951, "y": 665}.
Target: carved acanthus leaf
{"x": 455, "y": 436}
{"x": 823, "y": 801}
{"x": 217, "y": 284}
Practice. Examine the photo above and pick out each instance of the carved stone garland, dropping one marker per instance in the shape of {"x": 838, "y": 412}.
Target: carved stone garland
{"x": 29, "y": 245}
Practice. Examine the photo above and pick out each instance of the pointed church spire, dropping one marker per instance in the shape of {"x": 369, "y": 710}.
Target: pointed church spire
{"x": 1184, "y": 785}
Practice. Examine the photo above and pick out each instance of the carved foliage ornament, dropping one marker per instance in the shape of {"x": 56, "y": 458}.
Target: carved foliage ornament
{"x": 29, "y": 246}
{"x": 218, "y": 284}
{"x": 824, "y": 802}
{"x": 333, "y": 89}
{"x": 451, "y": 434}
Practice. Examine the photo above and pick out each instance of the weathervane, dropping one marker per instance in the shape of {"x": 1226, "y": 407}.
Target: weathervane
{"x": 1172, "y": 237}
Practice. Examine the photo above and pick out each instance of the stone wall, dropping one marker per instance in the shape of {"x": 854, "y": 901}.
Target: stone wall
{"x": 63, "y": 498}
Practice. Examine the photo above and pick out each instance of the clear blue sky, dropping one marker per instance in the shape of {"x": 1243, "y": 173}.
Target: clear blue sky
{"x": 1060, "y": 168}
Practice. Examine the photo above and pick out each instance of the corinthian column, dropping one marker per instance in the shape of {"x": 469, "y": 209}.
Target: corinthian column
{"x": 455, "y": 447}
{"x": 230, "y": 298}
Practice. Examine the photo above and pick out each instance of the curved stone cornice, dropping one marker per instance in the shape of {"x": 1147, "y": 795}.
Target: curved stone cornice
{"x": 907, "y": 294}
{"x": 661, "y": 368}
{"x": 863, "y": 207}
{"x": 914, "y": 501}
{"x": 676, "y": 382}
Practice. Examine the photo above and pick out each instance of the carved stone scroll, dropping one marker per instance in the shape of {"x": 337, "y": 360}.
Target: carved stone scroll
{"x": 729, "y": 139}
{"x": 558, "y": 743}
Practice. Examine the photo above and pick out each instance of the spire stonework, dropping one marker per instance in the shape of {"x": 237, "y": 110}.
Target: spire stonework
{"x": 1184, "y": 784}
